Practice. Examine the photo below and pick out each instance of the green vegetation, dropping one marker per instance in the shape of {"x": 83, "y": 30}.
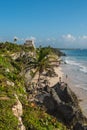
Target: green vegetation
{"x": 42, "y": 61}
{"x": 12, "y": 82}
{"x": 7, "y": 120}
{"x": 58, "y": 52}
{"x": 36, "y": 119}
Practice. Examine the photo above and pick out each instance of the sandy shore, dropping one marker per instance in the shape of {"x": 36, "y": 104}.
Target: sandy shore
{"x": 54, "y": 80}
{"x": 80, "y": 93}
{"x": 51, "y": 80}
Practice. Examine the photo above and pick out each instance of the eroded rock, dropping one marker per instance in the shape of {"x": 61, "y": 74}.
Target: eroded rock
{"x": 62, "y": 103}
{"x": 17, "y": 111}
{"x": 79, "y": 126}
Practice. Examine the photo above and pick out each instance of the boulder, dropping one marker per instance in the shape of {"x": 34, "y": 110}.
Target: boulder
{"x": 62, "y": 103}
{"x": 57, "y": 108}
{"x": 79, "y": 126}
{"x": 65, "y": 93}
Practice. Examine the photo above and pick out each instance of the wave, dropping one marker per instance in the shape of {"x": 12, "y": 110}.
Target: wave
{"x": 81, "y": 67}
{"x": 71, "y": 62}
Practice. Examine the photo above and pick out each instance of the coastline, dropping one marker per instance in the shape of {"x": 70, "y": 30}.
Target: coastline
{"x": 51, "y": 80}
{"x": 80, "y": 93}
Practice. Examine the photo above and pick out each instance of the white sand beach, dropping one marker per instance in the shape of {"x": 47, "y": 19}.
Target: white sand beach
{"x": 80, "y": 93}
{"x": 54, "y": 80}
{"x": 51, "y": 80}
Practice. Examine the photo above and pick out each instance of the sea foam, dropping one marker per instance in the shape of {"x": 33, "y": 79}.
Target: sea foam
{"x": 81, "y": 67}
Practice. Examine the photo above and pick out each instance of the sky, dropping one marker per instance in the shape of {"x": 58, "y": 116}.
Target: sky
{"x": 59, "y": 23}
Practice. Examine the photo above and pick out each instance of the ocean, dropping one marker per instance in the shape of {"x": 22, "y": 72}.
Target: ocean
{"x": 76, "y": 67}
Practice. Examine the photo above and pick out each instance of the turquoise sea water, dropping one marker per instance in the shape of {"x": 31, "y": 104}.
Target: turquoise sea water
{"x": 76, "y": 66}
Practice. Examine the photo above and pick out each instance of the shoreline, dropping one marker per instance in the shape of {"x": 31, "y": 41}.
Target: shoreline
{"x": 80, "y": 93}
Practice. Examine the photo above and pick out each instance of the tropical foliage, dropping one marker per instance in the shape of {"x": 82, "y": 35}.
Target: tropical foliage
{"x": 42, "y": 62}
{"x": 12, "y": 82}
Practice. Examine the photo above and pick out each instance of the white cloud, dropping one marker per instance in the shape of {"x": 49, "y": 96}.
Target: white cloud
{"x": 31, "y": 38}
{"x": 51, "y": 39}
{"x": 48, "y": 39}
{"x": 20, "y": 40}
{"x": 68, "y": 37}
{"x": 84, "y": 37}
{"x": 39, "y": 40}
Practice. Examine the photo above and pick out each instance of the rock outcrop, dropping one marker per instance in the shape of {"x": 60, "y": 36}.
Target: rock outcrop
{"x": 62, "y": 103}
{"x": 79, "y": 126}
{"x": 17, "y": 55}
{"x": 17, "y": 111}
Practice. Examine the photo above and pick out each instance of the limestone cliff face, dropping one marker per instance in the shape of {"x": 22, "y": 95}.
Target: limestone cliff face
{"x": 18, "y": 111}
{"x": 17, "y": 55}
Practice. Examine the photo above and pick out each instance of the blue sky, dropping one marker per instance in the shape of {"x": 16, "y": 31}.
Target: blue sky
{"x": 59, "y": 23}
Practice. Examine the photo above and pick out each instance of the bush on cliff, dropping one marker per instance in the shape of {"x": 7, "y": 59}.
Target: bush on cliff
{"x": 11, "y": 83}
{"x": 36, "y": 119}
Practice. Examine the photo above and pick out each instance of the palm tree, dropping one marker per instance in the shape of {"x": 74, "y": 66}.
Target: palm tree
{"x": 42, "y": 62}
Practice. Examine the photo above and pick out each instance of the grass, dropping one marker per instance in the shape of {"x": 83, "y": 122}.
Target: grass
{"x": 36, "y": 119}
{"x": 7, "y": 120}
{"x": 33, "y": 117}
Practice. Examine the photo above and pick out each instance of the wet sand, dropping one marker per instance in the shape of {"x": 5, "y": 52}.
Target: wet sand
{"x": 80, "y": 93}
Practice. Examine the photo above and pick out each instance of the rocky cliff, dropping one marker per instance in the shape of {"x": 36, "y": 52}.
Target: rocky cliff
{"x": 17, "y": 112}
{"x": 63, "y": 104}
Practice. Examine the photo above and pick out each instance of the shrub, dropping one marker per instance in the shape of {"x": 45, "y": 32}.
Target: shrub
{"x": 7, "y": 120}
